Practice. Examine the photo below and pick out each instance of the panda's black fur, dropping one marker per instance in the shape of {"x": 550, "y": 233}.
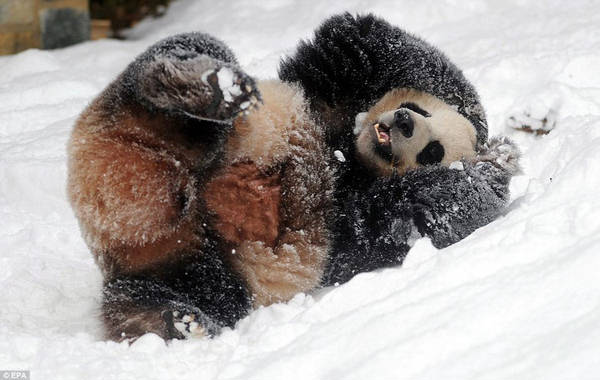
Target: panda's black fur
{"x": 431, "y": 154}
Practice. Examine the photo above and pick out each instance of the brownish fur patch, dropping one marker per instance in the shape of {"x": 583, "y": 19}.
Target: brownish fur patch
{"x": 276, "y": 274}
{"x": 129, "y": 322}
{"x": 246, "y": 203}
{"x": 131, "y": 258}
{"x": 127, "y": 181}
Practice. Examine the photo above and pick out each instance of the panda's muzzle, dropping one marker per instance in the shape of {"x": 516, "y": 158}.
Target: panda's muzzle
{"x": 404, "y": 122}
{"x": 400, "y": 119}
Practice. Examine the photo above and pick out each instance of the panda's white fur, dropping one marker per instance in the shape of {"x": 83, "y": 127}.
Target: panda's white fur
{"x": 442, "y": 123}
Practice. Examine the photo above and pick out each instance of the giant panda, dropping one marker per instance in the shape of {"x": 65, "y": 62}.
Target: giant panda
{"x": 203, "y": 193}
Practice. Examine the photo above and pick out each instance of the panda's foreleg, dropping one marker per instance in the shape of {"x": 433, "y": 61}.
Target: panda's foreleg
{"x": 195, "y": 296}
{"x": 336, "y": 67}
{"x": 447, "y": 204}
{"x": 465, "y": 198}
{"x": 379, "y": 227}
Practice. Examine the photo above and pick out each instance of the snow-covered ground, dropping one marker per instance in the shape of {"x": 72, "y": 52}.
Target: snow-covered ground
{"x": 518, "y": 299}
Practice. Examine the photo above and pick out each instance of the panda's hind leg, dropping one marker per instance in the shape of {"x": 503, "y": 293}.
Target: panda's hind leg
{"x": 202, "y": 88}
{"x": 133, "y": 306}
{"x": 196, "y": 296}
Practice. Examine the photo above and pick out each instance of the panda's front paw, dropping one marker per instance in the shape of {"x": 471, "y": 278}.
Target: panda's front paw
{"x": 502, "y": 152}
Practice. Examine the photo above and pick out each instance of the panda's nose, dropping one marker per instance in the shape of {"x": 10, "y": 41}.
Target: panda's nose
{"x": 404, "y": 122}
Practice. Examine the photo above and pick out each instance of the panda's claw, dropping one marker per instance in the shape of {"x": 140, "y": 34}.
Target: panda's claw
{"x": 502, "y": 152}
{"x": 233, "y": 92}
{"x": 188, "y": 326}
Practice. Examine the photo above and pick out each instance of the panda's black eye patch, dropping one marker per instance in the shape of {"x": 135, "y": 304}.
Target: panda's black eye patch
{"x": 415, "y": 108}
{"x": 433, "y": 153}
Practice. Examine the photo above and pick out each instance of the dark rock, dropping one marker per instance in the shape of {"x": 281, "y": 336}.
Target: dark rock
{"x": 63, "y": 27}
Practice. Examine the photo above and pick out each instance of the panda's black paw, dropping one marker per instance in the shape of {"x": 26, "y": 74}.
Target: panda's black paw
{"x": 201, "y": 88}
{"x": 502, "y": 152}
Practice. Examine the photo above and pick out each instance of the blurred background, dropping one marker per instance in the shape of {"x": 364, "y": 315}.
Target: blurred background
{"x": 51, "y": 24}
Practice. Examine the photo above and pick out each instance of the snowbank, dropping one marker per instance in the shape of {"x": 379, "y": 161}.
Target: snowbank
{"x": 520, "y": 298}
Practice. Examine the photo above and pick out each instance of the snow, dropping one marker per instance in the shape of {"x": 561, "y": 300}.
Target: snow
{"x": 518, "y": 299}
{"x": 456, "y": 165}
{"x": 339, "y": 156}
{"x": 225, "y": 77}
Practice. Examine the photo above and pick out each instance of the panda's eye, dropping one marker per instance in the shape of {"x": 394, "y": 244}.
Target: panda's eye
{"x": 415, "y": 108}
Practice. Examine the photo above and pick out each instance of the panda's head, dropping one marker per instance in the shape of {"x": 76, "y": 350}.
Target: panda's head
{"x": 407, "y": 129}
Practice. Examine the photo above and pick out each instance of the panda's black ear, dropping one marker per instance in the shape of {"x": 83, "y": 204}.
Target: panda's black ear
{"x": 433, "y": 153}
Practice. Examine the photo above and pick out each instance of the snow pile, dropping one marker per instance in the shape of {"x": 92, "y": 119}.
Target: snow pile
{"x": 519, "y": 298}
